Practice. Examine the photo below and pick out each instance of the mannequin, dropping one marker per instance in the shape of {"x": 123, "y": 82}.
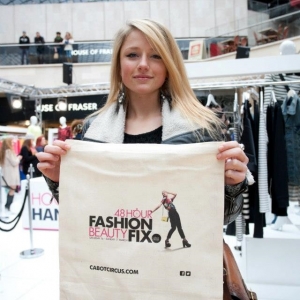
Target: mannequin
{"x": 279, "y": 93}
{"x": 64, "y": 131}
{"x": 33, "y": 129}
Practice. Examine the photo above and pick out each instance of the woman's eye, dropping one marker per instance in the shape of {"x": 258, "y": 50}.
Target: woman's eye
{"x": 131, "y": 55}
{"x": 156, "y": 56}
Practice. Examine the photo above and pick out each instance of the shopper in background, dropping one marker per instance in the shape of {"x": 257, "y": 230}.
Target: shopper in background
{"x": 76, "y": 128}
{"x": 24, "y": 40}
{"x": 58, "y": 50}
{"x": 40, "y": 50}
{"x": 28, "y": 153}
{"x": 68, "y": 41}
{"x": 40, "y": 143}
{"x": 151, "y": 101}
{"x": 9, "y": 163}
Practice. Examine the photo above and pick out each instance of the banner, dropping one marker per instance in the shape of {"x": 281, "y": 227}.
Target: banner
{"x": 44, "y": 212}
{"x": 113, "y": 244}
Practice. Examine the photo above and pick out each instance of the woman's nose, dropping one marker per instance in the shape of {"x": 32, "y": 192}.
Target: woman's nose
{"x": 144, "y": 63}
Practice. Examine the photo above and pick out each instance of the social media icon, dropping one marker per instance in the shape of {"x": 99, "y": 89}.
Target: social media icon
{"x": 182, "y": 273}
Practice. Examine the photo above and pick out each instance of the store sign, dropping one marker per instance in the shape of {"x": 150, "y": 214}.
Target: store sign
{"x": 75, "y": 108}
{"x": 70, "y": 107}
{"x": 92, "y": 52}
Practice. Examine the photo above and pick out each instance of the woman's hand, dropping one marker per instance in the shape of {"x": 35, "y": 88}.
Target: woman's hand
{"x": 235, "y": 162}
{"x": 50, "y": 159}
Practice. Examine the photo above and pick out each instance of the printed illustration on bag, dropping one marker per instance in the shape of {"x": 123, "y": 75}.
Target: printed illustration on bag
{"x": 136, "y": 225}
{"x": 167, "y": 202}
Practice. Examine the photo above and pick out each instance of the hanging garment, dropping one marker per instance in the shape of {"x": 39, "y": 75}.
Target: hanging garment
{"x": 64, "y": 133}
{"x": 250, "y": 140}
{"x": 294, "y": 192}
{"x": 291, "y": 115}
{"x": 279, "y": 90}
{"x": 240, "y": 220}
{"x": 264, "y": 197}
{"x": 277, "y": 161}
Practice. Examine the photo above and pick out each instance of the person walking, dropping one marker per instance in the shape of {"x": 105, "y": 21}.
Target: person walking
{"x": 9, "y": 163}
{"x": 24, "y": 40}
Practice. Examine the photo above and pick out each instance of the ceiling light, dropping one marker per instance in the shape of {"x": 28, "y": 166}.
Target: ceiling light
{"x": 16, "y": 102}
{"x": 62, "y": 104}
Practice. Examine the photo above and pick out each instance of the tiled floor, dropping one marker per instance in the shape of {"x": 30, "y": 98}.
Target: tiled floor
{"x": 37, "y": 278}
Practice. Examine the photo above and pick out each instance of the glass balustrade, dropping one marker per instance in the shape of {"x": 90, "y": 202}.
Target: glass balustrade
{"x": 255, "y": 34}
{"x": 50, "y": 53}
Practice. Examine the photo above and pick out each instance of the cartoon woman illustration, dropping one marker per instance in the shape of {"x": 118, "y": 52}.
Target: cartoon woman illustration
{"x": 167, "y": 202}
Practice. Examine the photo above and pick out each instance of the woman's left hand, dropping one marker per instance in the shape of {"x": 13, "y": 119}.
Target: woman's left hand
{"x": 235, "y": 162}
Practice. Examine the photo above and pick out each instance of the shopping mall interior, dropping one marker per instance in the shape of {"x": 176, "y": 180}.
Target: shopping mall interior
{"x": 239, "y": 55}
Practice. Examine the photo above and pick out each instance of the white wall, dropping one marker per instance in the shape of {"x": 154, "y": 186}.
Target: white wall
{"x": 100, "y": 20}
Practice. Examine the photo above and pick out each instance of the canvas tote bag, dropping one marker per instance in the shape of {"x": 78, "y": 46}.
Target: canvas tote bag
{"x": 113, "y": 247}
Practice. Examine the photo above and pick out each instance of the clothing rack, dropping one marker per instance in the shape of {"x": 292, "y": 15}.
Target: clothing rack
{"x": 237, "y": 84}
{"x": 216, "y": 68}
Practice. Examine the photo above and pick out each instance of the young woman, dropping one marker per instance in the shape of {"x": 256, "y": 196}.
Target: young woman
{"x": 9, "y": 163}
{"x": 68, "y": 41}
{"x": 167, "y": 202}
{"x": 28, "y": 153}
{"x": 151, "y": 101}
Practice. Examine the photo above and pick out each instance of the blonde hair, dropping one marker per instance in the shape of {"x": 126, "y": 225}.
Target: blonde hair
{"x": 6, "y": 144}
{"x": 28, "y": 144}
{"x": 70, "y": 35}
{"x": 177, "y": 85}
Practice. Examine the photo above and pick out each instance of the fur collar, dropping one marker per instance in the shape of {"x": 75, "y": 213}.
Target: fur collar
{"x": 108, "y": 126}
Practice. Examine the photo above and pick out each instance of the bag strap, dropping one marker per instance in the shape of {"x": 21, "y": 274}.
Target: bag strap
{"x": 233, "y": 278}
{"x": 282, "y": 79}
{"x": 7, "y": 184}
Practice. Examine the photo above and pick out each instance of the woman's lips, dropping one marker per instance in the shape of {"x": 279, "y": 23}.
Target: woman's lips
{"x": 142, "y": 77}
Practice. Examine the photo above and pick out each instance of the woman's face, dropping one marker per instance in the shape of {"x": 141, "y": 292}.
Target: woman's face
{"x": 43, "y": 141}
{"x": 142, "y": 69}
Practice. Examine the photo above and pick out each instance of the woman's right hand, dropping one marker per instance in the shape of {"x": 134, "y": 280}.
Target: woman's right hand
{"x": 50, "y": 159}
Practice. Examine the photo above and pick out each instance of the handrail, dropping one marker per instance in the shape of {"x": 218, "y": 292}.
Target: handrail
{"x": 257, "y": 24}
{"x": 19, "y": 2}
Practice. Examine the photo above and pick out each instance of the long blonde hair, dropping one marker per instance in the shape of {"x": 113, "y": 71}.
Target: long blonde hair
{"x": 177, "y": 86}
{"x": 6, "y": 144}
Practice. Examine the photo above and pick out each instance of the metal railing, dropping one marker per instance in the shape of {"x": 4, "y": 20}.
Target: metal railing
{"x": 20, "y": 2}
{"x": 263, "y": 32}
{"x": 262, "y": 15}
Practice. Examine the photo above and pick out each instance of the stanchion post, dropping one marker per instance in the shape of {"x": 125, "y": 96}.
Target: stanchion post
{"x": 2, "y": 213}
{"x": 32, "y": 252}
